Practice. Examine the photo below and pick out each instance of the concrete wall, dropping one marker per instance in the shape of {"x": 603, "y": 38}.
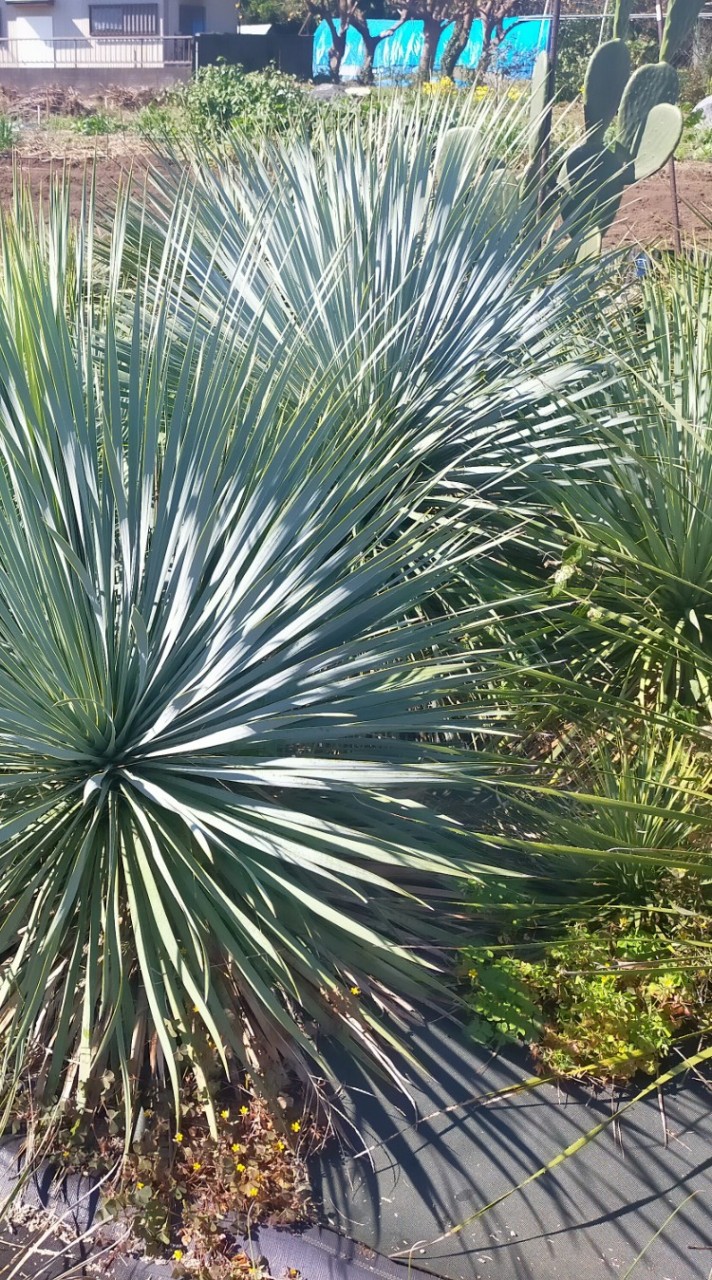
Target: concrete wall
{"x": 92, "y": 79}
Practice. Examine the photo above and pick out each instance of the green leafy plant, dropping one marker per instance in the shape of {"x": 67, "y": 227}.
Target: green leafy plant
{"x": 260, "y": 104}
{"x": 608, "y": 999}
{"x": 161, "y": 122}
{"x": 696, "y": 142}
{"x": 190, "y": 1192}
{"x": 98, "y": 124}
{"x": 601, "y": 960}
{"x": 8, "y": 133}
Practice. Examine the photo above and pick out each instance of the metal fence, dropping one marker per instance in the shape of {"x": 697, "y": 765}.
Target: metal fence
{"x": 98, "y": 51}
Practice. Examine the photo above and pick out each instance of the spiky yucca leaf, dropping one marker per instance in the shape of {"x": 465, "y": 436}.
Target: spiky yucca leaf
{"x": 640, "y": 533}
{"x": 216, "y": 699}
{"x": 401, "y": 252}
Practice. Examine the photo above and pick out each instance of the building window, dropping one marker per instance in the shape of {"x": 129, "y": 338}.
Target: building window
{"x": 123, "y": 19}
{"x": 191, "y": 19}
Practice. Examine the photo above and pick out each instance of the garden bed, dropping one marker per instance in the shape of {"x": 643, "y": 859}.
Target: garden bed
{"x": 644, "y": 217}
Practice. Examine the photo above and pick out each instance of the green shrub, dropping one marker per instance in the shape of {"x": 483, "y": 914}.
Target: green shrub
{"x": 258, "y": 103}
{"x": 636, "y": 568}
{"x": 8, "y": 133}
{"x": 161, "y": 122}
{"x": 609, "y": 998}
{"x": 696, "y": 141}
{"x": 577, "y": 41}
{"x": 98, "y": 124}
{"x": 601, "y": 962}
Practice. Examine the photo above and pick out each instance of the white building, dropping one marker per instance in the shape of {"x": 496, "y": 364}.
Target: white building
{"x": 84, "y": 33}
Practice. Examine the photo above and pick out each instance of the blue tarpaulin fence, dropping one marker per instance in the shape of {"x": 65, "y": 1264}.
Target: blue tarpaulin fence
{"x": 398, "y": 56}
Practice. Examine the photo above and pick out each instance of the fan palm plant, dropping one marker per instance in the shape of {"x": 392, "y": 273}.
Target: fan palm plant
{"x": 218, "y": 694}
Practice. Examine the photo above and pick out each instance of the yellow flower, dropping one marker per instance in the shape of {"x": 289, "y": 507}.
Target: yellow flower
{"x": 196, "y": 1009}
{"x": 280, "y": 1145}
{"x": 225, "y": 1115}
{"x": 240, "y": 1168}
{"x": 244, "y": 1111}
{"x": 355, "y": 991}
{"x": 236, "y": 1148}
{"x": 253, "y": 1191}
{"x": 140, "y": 1185}
{"x": 178, "y": 1137}
{"x": 481, "y": 92}
{"x": 443, "y": 85}
{"x": 514, "y": 94}
{"x": 296, "y": 1126}
{"x": 177, "y": 1254}
{"x": 197, "y": 1166}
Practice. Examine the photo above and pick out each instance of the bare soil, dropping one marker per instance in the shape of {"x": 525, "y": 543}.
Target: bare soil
{"x": 646, "y": 213}
{"x": 110, "y": 161}
{"x": 645, "y": 216}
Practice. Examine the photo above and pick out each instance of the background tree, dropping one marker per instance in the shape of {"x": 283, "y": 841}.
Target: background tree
{"x": 436, "y": 16}
{"x": 493, "y": 14}
{"x": 338, "y": 18}
{"x": 457, "y": 43}
{"x": 343, "y": 14}
{"x": 371, "y": 40}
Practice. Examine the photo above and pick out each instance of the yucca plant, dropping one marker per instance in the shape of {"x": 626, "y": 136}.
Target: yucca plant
{"x": 637, "y": 554}
{"x": 218, "y": 694}
{"x": 640, "y": 789}
{"x": 402, "y": 253}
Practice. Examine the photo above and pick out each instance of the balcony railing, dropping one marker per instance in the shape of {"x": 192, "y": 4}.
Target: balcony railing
{"x": 98, "y": 51}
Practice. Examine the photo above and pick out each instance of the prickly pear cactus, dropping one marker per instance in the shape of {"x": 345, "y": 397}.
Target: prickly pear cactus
{"x": 633, "y": 123}
{"x": 607, "y": 75}
{"x": 539, "y": 125}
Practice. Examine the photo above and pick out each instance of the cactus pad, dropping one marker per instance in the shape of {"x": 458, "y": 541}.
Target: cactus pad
{"x": 538, "y": 103}
{"x": 594, "y": 179}
{"x": 452, "y": 150}
{"x": 658, "y": 140}
{"x": 590, "y": 246}
{"x": 680, "y": 21}
{"x": 621, "y": 19}
{"x": 648, "y": 86}
{"x": 606, "y": 78}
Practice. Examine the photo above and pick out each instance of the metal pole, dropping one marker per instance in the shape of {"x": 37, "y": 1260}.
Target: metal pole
{"x": 553, "y": 51}
{"x": 676, "y": 230}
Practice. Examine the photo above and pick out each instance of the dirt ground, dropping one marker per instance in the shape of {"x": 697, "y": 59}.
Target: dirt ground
{"x": 645, "y": 217}
{"x": 113, "y": 161}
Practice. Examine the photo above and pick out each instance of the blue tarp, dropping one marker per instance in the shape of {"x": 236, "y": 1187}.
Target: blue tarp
{"x": 398, "y": 56}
